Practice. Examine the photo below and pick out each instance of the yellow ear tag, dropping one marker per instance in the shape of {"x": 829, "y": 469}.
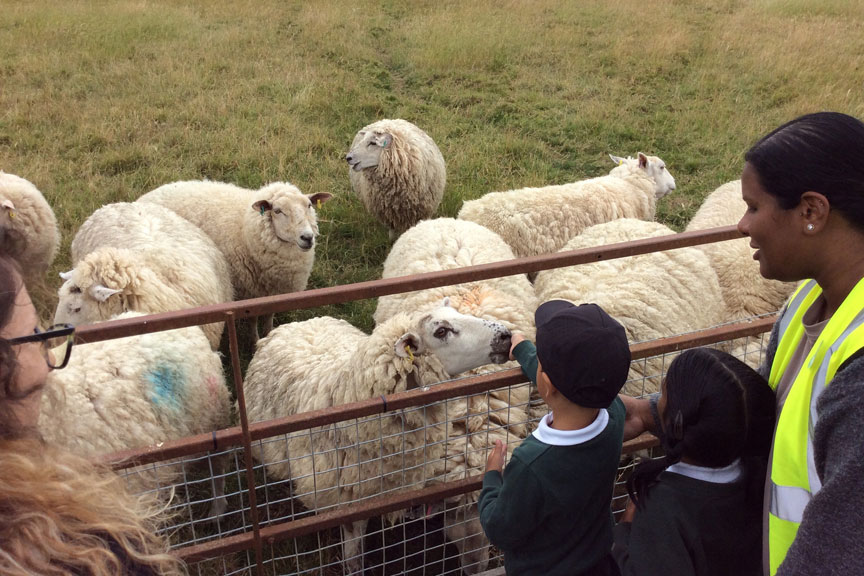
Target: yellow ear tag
{"x": 11, "y": 214}
{"x": 410, "y": 353}
{"x": 318, "y": 204}
{"x": 620, "y": 162}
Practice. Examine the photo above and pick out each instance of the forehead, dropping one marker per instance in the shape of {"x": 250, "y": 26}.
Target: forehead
{"x": 288, "y": 200}
{"x": 751, "y": 187}
{"x": 23, "y": 318}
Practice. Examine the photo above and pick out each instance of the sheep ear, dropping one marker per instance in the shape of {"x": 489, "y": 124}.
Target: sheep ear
{"x": 319, "y": 198}
{"x": 66, "y": 275}
{"x": 385, "y": 140}
{"x": 262, "y": 206}
{"x": 8, "y": 204}
{"x": 643, "y": 160}
{"x": 616, "y": 159}
{"x": 102, "y": 293}
{"x": 408, "y": 345}
{"x": 446, "y": 302}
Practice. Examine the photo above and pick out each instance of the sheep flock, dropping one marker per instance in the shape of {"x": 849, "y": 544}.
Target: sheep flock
{"x": 194, "y": 243}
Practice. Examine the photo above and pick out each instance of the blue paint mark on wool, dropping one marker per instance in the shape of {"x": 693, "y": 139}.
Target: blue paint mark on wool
{"x": 167, "y": 386}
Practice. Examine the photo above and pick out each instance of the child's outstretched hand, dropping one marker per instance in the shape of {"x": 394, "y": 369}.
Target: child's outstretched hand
{"x": 496, "y": 457}
{"x": 515, "y": 339}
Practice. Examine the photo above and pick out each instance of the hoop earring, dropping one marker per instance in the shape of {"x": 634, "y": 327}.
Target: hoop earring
{"x": 810, "y": 227}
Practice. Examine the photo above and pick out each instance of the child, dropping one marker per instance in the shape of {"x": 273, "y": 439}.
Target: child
{"x": 698, "y": 509}
{"x": 550, "y": 511}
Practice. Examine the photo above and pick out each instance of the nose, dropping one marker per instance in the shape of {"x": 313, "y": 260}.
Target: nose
{"x": 502, "y": 336}
{"x": 744, "y": 226}
{"x": 307, "y": 238}
{"x": 349, "y": 158}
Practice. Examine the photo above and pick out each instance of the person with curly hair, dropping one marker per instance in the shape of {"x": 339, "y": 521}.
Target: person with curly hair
{"x": 61, "y": 514}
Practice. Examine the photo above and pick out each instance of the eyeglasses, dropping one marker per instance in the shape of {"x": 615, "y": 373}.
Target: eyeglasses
{"x": 56, "y": 339}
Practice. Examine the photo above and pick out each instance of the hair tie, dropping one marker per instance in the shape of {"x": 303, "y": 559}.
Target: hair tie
{"x": 678, "y": 426}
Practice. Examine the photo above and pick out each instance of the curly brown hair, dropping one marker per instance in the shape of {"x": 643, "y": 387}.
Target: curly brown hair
{"x": 61, "y": 513}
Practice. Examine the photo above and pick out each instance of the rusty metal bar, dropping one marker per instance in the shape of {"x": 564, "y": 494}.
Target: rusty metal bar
{"x": 247, "y": 441}
{"x": 375, "y": 288}
{"x": 375, "y": 506}
{"x": 230, "y": 437}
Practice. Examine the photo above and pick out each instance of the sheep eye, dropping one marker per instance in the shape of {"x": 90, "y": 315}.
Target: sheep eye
{"x": 277, "y": 210}
{"x": 74, "y": 290}
{"x": 441, "y": 332}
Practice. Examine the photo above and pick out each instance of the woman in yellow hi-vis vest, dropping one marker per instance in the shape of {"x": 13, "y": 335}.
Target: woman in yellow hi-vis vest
{"x": 804, "y": 188}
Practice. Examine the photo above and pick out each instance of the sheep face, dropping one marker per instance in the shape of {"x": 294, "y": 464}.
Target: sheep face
{"x": 366, "y": 149}
{"x": 459, "y": 341}
{"x": 291, "y": 214}
{"x": 83, "y": 302}
{"x": 655, "y": 169}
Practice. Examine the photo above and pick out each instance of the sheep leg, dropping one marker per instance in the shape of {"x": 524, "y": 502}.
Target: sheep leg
{"x": 268, "y": 324}
{"x": 352, "y": 546}
{"x": 217, "y": 479}
{"x": 467, "y": 534}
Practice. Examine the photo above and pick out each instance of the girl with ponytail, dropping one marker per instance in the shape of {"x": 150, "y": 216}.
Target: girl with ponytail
{"x": 696, "y": 511}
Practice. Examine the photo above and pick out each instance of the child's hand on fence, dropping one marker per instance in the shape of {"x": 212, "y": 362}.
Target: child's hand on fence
{"x": 629, "y": 511}
{"x": 496, "y": 457}
{"x": 515, "y": 339}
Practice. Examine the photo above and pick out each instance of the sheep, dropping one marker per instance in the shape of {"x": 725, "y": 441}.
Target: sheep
{"x": 445, "y": 244}
{"x": 28, "y": 228}
{"x": 138, "y": 391}
{"x": 745, "y": 292}
{"x": 144, "y": 258}
{"x": 653, "y": 295}
{"x": 267, "y": 235}
{"x": 398, "y": 172}
{"x": 541, "y": 220}
{"x": 323, "y": 362}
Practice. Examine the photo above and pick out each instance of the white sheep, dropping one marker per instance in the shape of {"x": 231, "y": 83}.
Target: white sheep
{"x": 745, "y": 292}
{"x": 134, "y": 392}
{"x": 267, "y": 235}
{"x": 541, "y": 220}
{"x": 144, "y": 258}
{"x": 28, "y": 228}
{"x": 398, "y": 172}
{"x": 446, "y": 244}
{"x": 652, "y": 295}
{"x": 323, "y": 362}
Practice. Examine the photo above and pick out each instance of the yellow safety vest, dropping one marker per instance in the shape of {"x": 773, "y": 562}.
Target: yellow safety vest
{"x": 794, "y": 480}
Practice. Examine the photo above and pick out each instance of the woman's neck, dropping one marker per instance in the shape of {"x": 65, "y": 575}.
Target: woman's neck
{"x": 841, "y": 269}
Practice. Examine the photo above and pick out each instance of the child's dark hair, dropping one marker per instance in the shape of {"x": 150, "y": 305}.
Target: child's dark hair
{"x": 717, "y": 410}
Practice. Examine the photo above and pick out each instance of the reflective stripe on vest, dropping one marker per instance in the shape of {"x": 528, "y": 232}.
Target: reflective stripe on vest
{"x": 793, "y": 470}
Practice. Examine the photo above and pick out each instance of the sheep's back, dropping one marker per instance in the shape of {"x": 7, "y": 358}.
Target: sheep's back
{"x": 541, "y": 220}
{"x": 745, "y": 292}
{"x": 296, "y": 367}
{"x": 653, "y": 295}
{"x": 134, "y": 392}
{"x": 31, "y": 236}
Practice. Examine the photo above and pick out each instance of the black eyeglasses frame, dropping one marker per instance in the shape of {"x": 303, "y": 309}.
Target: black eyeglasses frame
{"x": 55, "y": 331}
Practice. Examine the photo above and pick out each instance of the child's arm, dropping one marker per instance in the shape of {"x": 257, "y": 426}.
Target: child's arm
{"x": 510, "y": 510}
{"x": 524, "y": 352}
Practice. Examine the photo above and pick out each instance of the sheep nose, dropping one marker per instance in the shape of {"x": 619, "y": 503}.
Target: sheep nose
{"x": 502, "y": 336}
{"x": 349, "y": 158}
{"x": 307, "y": 238}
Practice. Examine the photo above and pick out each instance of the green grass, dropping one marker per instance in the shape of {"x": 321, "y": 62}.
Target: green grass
{"x": 102, "y": 101}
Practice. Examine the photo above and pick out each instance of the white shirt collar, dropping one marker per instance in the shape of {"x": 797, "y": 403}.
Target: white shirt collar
{"x": 553, "y": 437}
{"x": 723, "y": 475}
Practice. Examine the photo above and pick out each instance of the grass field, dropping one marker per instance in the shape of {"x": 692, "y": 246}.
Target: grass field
{"x": 102, "y": 101}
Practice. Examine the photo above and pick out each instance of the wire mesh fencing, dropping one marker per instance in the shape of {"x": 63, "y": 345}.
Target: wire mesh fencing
{"x": 373, "y": 460}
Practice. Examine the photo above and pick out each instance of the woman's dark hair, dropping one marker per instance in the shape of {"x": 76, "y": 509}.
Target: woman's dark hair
{"x": 10, "y": 284}
{"x": 819, "y": 152}
{"x": 717, "y": 410}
